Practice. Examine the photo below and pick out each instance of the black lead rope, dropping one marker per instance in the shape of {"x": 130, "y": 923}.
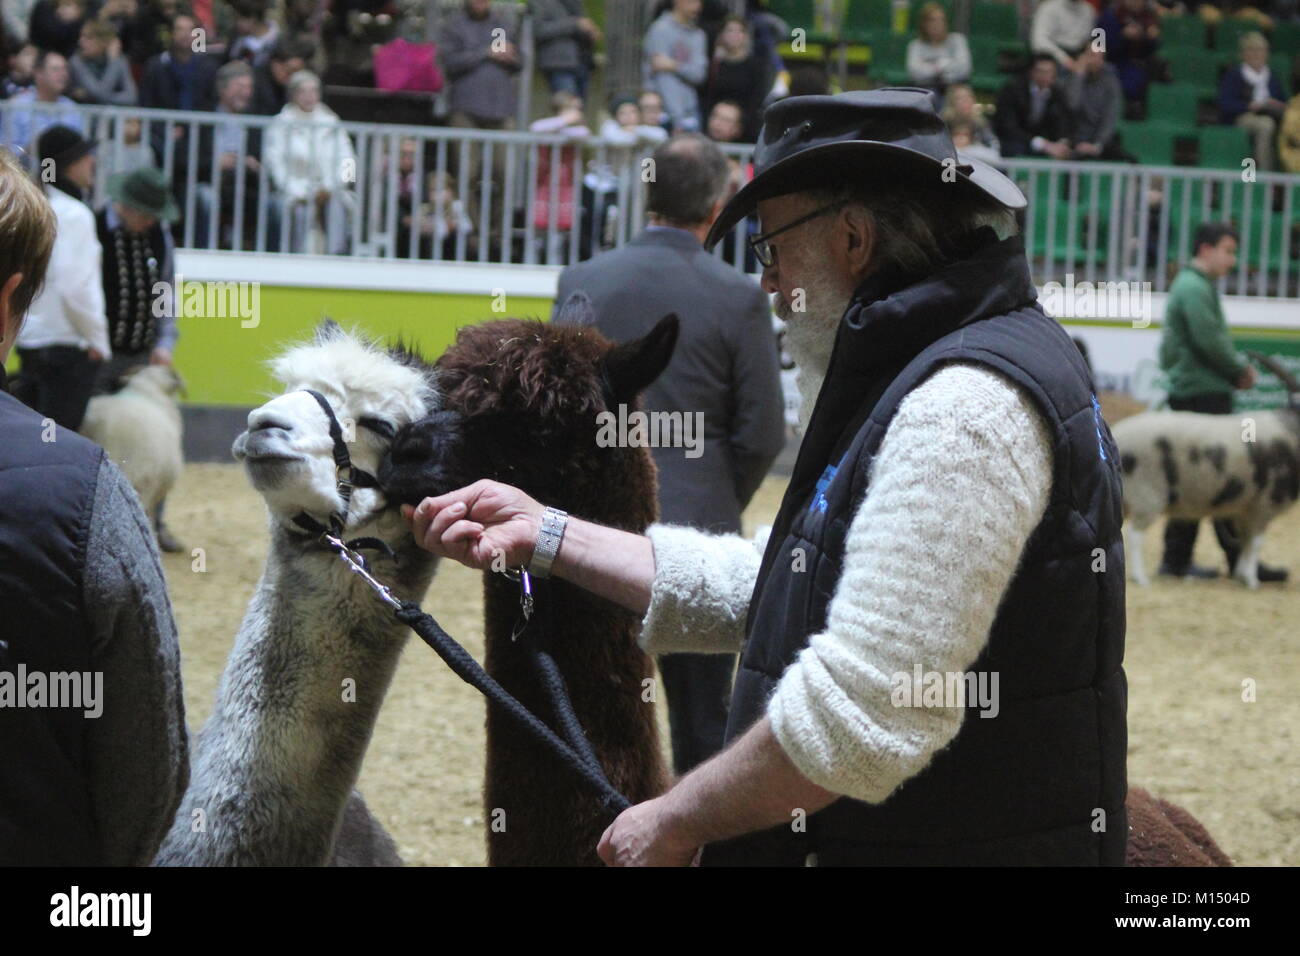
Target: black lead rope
{"x": 464, "y": 666}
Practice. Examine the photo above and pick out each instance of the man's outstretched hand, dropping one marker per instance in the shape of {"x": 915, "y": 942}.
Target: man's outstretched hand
{"x": 478, "y": 523}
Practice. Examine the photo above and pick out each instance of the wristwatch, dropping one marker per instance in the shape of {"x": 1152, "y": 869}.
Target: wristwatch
{"x": 548, "y": 542}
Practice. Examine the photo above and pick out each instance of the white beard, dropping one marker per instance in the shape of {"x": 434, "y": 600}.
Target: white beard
{"x": 810, "y": 337}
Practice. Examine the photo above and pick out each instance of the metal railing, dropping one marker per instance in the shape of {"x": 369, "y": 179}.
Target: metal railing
{"x": 412, "y": 192}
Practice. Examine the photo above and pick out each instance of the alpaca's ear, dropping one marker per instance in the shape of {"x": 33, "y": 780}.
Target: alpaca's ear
{"x": 326, "y": 330}
{"x": 576, "y": 310}
{"x": 632, "y": 366}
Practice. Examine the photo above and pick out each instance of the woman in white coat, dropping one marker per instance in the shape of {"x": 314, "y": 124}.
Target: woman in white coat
{"x": 312, "y": 165}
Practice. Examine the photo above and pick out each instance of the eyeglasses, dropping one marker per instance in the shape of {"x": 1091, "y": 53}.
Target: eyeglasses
{"x": 763, "y": 250}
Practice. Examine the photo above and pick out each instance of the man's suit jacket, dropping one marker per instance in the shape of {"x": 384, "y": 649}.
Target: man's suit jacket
{"x": 725, "y": 366}
{"x": 1011, "y": 121}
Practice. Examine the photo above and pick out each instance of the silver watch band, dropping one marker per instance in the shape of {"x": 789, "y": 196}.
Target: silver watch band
{"x": 548, "y": 542}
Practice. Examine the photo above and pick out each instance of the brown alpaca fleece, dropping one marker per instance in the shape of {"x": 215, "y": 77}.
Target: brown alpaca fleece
{"x": 1161, "y": 833}
{"x": 527, "y": 395}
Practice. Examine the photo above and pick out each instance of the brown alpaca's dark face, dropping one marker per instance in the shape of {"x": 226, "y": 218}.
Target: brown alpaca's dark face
{"x": 520, "y": 401}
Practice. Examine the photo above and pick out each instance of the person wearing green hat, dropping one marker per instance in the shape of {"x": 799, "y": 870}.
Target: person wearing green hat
{"x": 138, "y": 264}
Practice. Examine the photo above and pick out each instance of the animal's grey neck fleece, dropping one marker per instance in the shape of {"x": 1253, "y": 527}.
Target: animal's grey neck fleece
{"x": 962, "y": 479}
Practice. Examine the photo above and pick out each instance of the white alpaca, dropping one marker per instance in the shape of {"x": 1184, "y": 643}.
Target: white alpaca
{"x": 140, "y": 429}
{"x": 273, "y": 768}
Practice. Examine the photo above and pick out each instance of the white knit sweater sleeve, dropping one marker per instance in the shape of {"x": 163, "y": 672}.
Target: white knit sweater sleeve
{"x": 701, "y": 590}
{"x": 962, "y": 478}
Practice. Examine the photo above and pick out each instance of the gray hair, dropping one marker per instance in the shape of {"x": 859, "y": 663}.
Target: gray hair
{"x": 299, "y": 79}
{"x": 690, "y": 175}
{"x": 918, "y": 227}
{"x": 231, "y": 71}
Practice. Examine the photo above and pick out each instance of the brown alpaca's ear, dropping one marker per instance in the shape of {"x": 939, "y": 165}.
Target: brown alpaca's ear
{"x": 632, "y": 366}
{"x": 576, "y": 310}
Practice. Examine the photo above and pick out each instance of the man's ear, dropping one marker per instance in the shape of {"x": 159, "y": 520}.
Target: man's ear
{"x": 861, "y": 241}
{"x": 8, "y": 321}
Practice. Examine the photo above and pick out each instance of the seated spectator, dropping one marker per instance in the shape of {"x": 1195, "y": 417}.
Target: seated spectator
{"x": 142, "y": 25}
{"x": 287, "y": 57}
{"x": 1251, "y": 96}
{"x": 1096, "y": 102}
{"x": 19, "y": 65}
{"x": 566, "y": 117}
{"x": 255, "y": 33}
{"x": 23, "y": 122}
{"x": 652, "y": 111}
{"x": 565, "y": 40}
{"x": 624, "y": 126}
{"x": 124, "y": 154}
{"x": 937, "y": 58}
{"x": 1132, "y": 38}
{"x": 1032, "y": 118}
{"x": 1288, "y": 140}
{"x": 1061, "y": 29}
{"x": 100, "y": 75}
{"x": 481, "y": 61}
{"x": 676, "y": 62}
{"x": 231, "y": 140}
{"x": 56, "y": 25}
{"x": 558, "y": 211}
{"x": 179, "y": 78}
{"x": 442, "y": 220}
{"x": 967, "y": 145}
{"x": 960, "y": 105}
{"x": 738, "y": 75}
{"x": 726, "y": 122}
{"x": 309, "y": 157}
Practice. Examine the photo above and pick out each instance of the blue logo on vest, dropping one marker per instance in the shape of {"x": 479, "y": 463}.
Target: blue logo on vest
{"x": 1096, "y": 418}
{"x": 818, "y": 502}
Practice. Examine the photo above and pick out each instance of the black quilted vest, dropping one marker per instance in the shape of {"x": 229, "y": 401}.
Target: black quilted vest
{"x": 1044, "y": 781}
{"x": 47, "y": 491}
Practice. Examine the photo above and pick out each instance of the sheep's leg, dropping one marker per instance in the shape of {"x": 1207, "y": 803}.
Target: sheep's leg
{"x": 1248, "y": 563}
{"x": 1137, "y": 570}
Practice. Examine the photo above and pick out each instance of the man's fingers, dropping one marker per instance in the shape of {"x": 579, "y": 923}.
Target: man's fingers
{"x": 605, "y": 848}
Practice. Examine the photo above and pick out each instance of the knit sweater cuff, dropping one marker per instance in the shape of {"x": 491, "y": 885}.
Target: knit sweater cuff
{"x": 701, "y": 590}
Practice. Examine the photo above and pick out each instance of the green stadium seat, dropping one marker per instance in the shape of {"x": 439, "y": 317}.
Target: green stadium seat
{"x": 865, "y": 19}
{"x": 1196, "y": 68}
{"x": 801, "y": 14}
{"x": 1223, "y": 147}
{"x": 1185, "y": 31}
{"x": 1173, "y": 102}
{"x": 1229, "y": 33}
{"x": 1152, "y": 142}
{"x": 998, "y": 21}
{"x": 1286, "y": 38}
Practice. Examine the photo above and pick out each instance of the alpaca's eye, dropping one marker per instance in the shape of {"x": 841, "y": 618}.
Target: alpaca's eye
{"x": 377, "y": 425}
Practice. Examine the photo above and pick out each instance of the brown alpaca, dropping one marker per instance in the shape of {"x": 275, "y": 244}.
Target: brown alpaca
{"x": 521, "y": 400}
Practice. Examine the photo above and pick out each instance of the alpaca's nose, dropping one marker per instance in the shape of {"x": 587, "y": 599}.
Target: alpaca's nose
{"x": 261, "y": 420}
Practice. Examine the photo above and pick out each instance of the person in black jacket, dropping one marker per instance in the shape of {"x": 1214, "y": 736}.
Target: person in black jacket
{"x": 1032, "y": 117}
{"x": 94, "y": 770}
{"x": 737, "y": 73}
{"x": 271, "y": 78}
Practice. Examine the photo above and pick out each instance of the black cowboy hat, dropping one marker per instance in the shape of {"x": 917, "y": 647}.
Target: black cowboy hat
{"x": 63, "y": 144}
{"x": 812, "y": 142}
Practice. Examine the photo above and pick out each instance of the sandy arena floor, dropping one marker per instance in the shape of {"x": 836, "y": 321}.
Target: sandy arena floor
{"x": 1190, "y": 646}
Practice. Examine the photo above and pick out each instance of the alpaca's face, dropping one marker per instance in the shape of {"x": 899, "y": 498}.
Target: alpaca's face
{"x": 520, "y": 402}
{"x": 288, "y": 451}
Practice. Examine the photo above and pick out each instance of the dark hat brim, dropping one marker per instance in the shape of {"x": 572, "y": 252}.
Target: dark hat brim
{"x": 832, "y": 164}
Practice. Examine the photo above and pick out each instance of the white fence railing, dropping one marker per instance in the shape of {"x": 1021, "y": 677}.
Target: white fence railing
{"x": 261, "y": 184}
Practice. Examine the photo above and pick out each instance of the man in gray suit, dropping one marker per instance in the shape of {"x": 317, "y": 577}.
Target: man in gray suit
{"x": 724, "y": 372}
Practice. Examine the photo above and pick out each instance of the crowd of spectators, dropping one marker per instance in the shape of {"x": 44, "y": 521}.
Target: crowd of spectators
{"x": 1087, "y": 67}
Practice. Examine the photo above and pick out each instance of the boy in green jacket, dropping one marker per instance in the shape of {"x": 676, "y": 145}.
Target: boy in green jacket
{"x": 1202, "y": 369}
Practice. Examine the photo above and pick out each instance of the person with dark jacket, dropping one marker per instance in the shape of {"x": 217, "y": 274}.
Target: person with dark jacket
{"x": 56, "y": 25}
{"x": 936, "y": 558}
{"x": 1032, "y": 117}
{"x": 271, "y": 78}
{"x": 1252, "y": 97}
{"x": 94, "y": 775}
{"x": 565, "y": 38}
{"x": 738, "y": 74}
{"x": 1096, "y": 103}
{"x": 724, "y": 372}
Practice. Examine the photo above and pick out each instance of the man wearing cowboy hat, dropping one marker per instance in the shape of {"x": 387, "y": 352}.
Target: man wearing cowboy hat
{"x": 65, "y": 337}
{"x": 932, "y": 636}
{"x": 138, "y": 262}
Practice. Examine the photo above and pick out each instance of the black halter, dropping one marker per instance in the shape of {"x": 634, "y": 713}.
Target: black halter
{"x": 349, "y": 477}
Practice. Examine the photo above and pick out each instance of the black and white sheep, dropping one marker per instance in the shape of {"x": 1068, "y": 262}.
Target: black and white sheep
{"x": 1244, "y": 467}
